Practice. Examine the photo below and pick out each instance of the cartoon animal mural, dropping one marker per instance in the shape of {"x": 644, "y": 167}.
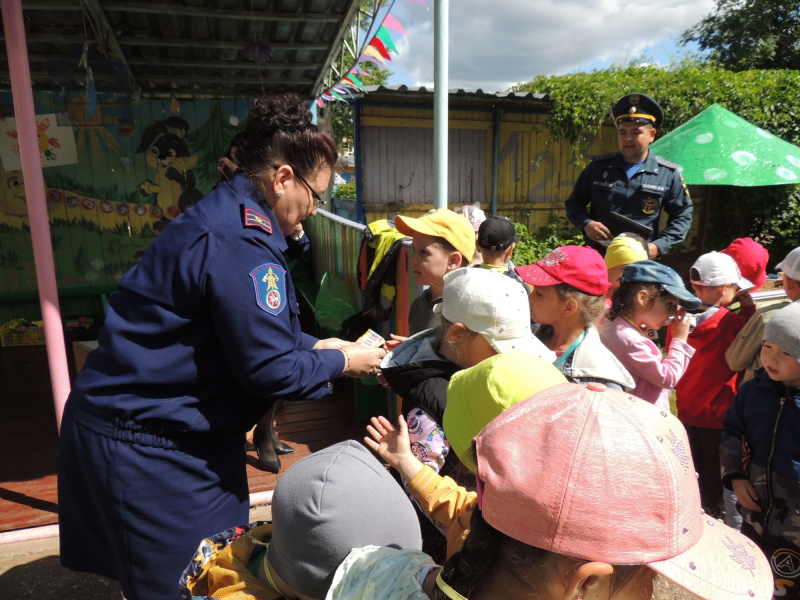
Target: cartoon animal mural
{"x": 13, "y": 205}
{"x": 175, "y": 187}
{"x": 71, "y": 207}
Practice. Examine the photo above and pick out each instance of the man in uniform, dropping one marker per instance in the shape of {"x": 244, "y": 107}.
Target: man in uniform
{"x": 632, "y": 183}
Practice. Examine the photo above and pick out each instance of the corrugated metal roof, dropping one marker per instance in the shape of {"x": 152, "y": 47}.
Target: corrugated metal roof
{"x": 403, "y": 90}
{"x": 184, "y": 47}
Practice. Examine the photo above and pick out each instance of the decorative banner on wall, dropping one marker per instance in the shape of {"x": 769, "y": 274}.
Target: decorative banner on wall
{"x": 377, "y": 50}
{"x": 56, "y": 143}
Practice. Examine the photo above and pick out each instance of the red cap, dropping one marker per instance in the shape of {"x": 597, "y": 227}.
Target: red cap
{"x": 579, "y": 266}
{"x": 751, "y": 257}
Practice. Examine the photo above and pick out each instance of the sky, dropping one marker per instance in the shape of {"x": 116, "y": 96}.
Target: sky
{"x": 496, "y": 44}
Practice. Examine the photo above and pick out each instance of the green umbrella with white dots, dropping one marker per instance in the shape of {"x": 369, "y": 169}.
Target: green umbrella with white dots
{"x": 719, "y": 148}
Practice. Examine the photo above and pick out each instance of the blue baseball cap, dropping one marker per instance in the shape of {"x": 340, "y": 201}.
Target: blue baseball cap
{"x": 649, "y": 271}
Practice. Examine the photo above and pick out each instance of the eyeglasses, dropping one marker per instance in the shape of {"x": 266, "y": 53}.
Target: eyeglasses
{"x": 319, "y": 202}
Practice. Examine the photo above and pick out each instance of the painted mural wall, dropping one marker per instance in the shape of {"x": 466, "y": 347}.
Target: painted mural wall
{"x": 117, "y": 172}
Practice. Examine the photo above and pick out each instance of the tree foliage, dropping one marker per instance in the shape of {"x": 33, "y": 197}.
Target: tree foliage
{"x": 767, "y": 98}
{"x": 750, "y": 34}
{"x": 583, "y": 101}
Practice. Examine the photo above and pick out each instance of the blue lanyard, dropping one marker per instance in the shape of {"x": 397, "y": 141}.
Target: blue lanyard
{"x": 571, "y": 349}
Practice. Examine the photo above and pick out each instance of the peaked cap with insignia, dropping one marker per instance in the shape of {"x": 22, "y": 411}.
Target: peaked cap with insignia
{"x": 638, "y": 108}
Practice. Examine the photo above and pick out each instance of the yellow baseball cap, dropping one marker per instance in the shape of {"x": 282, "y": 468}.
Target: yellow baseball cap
{"x": 624, "y": 250}
{"x": 444, "y": 223}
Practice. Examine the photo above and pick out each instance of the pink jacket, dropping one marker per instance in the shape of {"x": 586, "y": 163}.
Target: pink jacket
{"x": 654, "y": 375}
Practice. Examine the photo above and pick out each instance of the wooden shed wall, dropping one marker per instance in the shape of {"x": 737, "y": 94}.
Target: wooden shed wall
{"x": 535, "y": 173}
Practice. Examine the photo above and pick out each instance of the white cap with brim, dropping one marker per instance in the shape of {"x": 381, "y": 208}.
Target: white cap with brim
{"x": 493, "y": 305}
{"x": 716, "y": 268}
{"x": 790, "y": 265}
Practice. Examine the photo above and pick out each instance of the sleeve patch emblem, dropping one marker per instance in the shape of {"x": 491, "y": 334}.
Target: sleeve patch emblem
{"x": 253, "y": 218}
{"x": 270, "y": 284}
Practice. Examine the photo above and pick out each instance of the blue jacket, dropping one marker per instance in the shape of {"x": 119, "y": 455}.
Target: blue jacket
{"x": 199, "y": 341}
{"x": 203, "y": 334}
{"x": 766, "y": 415}
{"x": 603, "y": 187}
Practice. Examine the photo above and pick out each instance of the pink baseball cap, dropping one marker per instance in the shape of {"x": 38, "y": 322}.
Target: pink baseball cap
{"x": 579, "y": 266}
{"x": 752, "y": 258}
{"x": 597, "y": 474}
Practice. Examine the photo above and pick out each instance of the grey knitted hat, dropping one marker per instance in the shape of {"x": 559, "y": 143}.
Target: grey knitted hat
{"x": 325, "y": 505}
{"x": 784, "y": 330}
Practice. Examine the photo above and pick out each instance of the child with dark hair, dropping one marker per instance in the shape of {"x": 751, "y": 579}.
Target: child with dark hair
{"x": 496, "y": 241}
{"x": 565, "y": 512}
{"x": 648, "y": 297}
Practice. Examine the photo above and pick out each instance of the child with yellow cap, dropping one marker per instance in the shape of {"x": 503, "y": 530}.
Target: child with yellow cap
{"x": 623, "y": 250}
{"x": 442, "y": 241}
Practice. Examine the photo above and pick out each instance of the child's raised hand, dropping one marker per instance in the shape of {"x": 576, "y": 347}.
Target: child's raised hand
{"x": 393, "y": 445}
{"x": 746, "y": 494}
{"x": 681, "y": 325}
{"x": 744, "y": 298}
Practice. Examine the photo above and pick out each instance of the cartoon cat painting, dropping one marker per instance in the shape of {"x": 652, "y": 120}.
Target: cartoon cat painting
{"x": 175, "y": 187}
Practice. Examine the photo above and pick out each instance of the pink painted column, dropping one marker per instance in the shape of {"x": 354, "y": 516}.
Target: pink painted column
{"x": 22, "y": 92}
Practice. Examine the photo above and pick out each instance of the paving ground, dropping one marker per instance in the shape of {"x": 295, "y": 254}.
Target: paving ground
{"x": 32, "y": 570}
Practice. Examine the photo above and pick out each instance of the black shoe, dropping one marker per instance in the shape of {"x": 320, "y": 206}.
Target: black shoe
{"x": 265, "y": 448}
{"x": 281, "y": 448}
{"x": 273, "y": 466}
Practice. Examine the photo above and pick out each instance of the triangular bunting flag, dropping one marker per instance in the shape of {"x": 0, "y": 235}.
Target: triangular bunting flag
{"x": 379, "y": 46}
{"x": 372, "y": 51}
{"x": 392, "y": 23}
{"x": 354, "y": 80}
{"x": 386, "y": 38}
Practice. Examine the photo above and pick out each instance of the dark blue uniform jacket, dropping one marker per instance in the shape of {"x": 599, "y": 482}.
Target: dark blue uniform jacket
{"x": 199, "y": 341}
{"x": 188, "y": 340}
{"x": 603, "y": 187}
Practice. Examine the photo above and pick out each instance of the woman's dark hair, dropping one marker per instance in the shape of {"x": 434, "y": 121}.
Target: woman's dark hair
{"x": 622, "y": 302}
{"x": 280, "y": 132}
{"x": 486, "y": 551}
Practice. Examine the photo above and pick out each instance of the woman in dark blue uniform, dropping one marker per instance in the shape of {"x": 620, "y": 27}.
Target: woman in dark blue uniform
{"x": 199, "y": 341}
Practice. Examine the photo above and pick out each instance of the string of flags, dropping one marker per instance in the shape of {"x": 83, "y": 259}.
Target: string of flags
{"x": 377, "y": 50}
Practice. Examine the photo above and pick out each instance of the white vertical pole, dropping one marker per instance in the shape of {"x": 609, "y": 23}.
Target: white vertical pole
{"x": 441, "y": 34}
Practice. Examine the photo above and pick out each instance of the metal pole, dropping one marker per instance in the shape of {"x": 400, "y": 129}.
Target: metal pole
{"x": 22, "y": 93}
{"x": 441, "y": 18}
{"x": 495, "y": 157}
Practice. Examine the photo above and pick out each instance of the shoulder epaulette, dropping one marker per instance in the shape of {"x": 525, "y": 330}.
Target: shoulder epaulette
{"x": 608, "y": 156}
{"x": 252, "y": 218}
{"x": 666, "y": 163}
